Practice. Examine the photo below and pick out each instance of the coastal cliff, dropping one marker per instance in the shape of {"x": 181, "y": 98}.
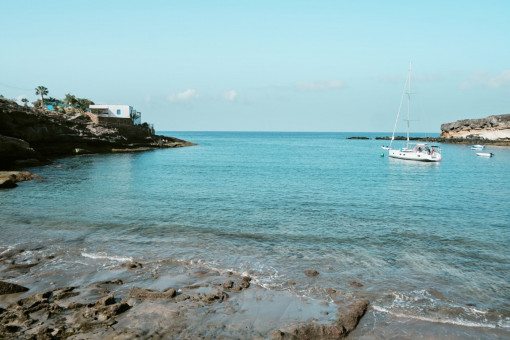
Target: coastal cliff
{"x": 494, "y": 128}
{"x": 32, "y": 136}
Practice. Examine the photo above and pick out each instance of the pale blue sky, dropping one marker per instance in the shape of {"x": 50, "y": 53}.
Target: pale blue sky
{"x": 264, "y": 65}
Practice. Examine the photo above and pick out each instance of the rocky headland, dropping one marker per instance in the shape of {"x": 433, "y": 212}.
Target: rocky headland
{"x": 34, "y": 136}
{"x": 492, "y": 128}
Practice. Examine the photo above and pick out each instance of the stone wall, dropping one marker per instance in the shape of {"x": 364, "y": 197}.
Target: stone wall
{"x": 109, "y": 121}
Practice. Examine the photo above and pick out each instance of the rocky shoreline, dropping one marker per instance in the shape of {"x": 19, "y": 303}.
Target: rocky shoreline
{"x": 33, "y": 136}
{"x": 449, "y": 140}
{"x": 194, "y": 302}
{"x": 491, "y": 130}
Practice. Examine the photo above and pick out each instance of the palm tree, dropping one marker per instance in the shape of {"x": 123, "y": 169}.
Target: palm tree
{"x": 41, "y": 90}
{"x": 24, "y": 101}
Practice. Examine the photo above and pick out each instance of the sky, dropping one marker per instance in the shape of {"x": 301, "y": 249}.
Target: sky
{"x": 264, "y": 65}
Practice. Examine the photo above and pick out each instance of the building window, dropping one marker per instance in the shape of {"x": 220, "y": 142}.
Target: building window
{"x": 118, "y": 112}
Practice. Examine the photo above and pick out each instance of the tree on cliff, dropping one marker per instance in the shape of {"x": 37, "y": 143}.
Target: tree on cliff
{"x": 24, "y": 101}
{"x": 70, "y": 100}
{"x": 83, "y": 103}
{"x": 41, "y": 90}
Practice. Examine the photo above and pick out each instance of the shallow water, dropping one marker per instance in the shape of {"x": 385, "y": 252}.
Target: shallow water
{"x": 429, "y": 242}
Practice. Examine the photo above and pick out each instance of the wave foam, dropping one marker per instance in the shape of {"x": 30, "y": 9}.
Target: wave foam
{"x": 104, "y": 256}
{"x": 457, "y": 322}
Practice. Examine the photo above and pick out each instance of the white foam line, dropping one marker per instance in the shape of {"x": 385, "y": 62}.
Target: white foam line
{"x": 106, "y": 257}
{"x": 445, "y": 321}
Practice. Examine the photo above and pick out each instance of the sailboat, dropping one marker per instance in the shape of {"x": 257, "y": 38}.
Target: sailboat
{"x": 414, "y": 152}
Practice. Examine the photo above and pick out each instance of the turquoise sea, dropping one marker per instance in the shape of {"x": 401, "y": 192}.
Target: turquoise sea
{"x": 428, "y": 242}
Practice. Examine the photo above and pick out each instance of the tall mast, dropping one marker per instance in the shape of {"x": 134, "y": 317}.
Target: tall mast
{"x": 405, "y": 90}
{"x": 408, "y": 102}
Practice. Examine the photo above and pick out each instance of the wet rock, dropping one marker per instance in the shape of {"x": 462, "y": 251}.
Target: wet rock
{"x": 330, "y": 290}
{"x": 64, "y": 293}
{"x": 9, "y": 329}
{"x": 228, "y": 284}
{"x": 11, "y": 288}
{"x": 356, "y": 284}
{"x": 311, "y": 273}
{"x": 106, "y": 301}
{"x": 216, "y": 297}
{"x": 237, "y": 288}
{"x": 346, "y": 323}
{"x": 7, "y": 183}
{"x": 182, "y": 297}
{"x": 8, "y": 179}
{"x": 245, "y": 283}
{"x": 23, "y": 268}
{"x": 109, "y": 282}
{"x": 75, "y": 305}
{"x": 355, "y": 311}
{"x": 147, "y": 294}
{"x": 132, "y": 265}
{"x": 105, "y": 309}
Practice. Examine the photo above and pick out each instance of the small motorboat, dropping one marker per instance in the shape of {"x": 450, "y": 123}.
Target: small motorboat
{"x": 477, "y": 147}
{"x": 485, "y": 154}
{"x": 384, "y": 147}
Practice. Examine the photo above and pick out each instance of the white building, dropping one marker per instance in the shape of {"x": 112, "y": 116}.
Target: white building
{"x": 116, "y": 111}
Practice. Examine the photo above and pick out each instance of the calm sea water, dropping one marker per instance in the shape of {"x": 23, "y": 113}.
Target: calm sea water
{"x": 429, "y": 242}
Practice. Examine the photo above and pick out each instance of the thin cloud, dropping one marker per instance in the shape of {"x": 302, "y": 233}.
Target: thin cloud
{"x": 320, "y": 85}
{"x": 230, "y": 95}
{"x": 501, "y": 79}
{"x": 186, "y": 95}
{"x": 487, "y": 80}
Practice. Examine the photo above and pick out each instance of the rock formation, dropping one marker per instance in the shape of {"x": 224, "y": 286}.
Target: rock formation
{"x": 8, "y": 179}
{"x": 31, "y": 136}
{"x": 495, "y": 127}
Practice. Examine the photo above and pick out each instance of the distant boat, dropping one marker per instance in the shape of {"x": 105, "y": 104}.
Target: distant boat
{"x": 414, "y": 152}
{"x": 485, "y": 154}
{"x": 384, "y": 147}
{"x": 477, "y": 147}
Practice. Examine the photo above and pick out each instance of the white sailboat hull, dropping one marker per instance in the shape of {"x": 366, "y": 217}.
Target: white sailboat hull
{"x": 413, "y": 155}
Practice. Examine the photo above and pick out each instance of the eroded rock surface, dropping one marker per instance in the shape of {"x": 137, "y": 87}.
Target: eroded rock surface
{"x": 496, "y": 127}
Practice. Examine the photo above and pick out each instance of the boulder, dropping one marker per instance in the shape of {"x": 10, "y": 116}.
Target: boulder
{"x": 14, "y": 149}
{"x": 346, "y": 323}
{"x": 8, "y": 179}
{"x": 7, "y": 183}
{"x": 311, "y": 272}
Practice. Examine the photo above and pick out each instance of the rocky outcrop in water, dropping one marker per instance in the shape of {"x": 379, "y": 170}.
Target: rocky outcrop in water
{"x": 495, "y": 127}
{"x": 31, "y": 136}
{"x": 8, "y": 179}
